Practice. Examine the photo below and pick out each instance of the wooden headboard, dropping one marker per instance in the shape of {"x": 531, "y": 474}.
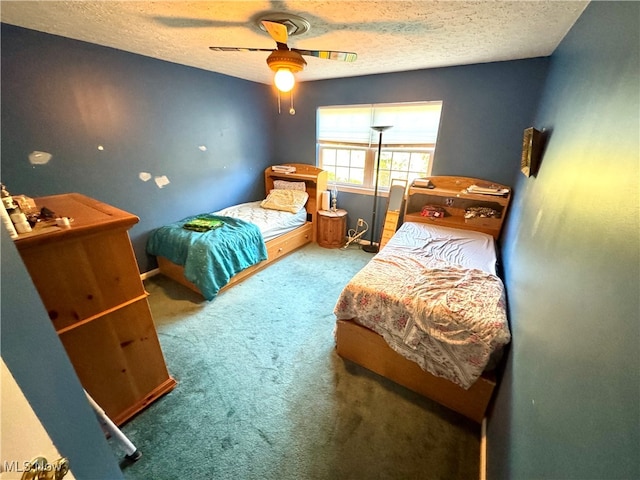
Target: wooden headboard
{"x": 314, "y": 178}
{"x": 451, "y": 194}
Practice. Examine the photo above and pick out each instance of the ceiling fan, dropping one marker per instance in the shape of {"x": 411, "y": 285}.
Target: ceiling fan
{"x": 283, "y": 60}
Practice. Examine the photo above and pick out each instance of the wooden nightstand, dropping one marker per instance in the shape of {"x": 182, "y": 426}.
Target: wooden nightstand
{"x": 332, "y": 228}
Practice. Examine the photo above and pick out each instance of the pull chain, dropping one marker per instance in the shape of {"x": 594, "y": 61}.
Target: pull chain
{"x": 292, "y": 111}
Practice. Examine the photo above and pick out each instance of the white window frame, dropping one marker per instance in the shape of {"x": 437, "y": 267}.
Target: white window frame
{"x": 366, "y": 140}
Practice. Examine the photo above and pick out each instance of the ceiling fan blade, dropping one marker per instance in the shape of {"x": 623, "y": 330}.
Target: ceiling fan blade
{"x": 328, "y": 54}
{"x": 240, "y": 49}
{"x": 278, "y": 31}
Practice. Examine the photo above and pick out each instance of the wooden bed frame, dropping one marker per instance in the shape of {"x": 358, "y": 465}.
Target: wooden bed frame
{"x": 368, "y": 349}
{"x": 316, "y": 183}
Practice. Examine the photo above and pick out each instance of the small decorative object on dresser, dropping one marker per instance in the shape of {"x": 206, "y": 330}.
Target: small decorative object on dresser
{"x": 334, "y": 198}
{"x": 332, "y": 228}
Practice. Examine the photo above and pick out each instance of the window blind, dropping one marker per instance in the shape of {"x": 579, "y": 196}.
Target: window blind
{"x": 412, "y": 123}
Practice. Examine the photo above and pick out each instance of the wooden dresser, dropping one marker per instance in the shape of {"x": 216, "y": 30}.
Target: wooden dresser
{"x": 88, "y": 279}
{"x": 394, "y": 206}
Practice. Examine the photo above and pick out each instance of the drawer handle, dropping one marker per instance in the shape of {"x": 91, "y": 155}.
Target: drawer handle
{"x": 280, "y": 249}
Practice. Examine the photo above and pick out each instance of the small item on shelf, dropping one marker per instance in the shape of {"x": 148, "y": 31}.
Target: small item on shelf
{"x": 27, "y": 204}
{"x": 7, "y": 210}
{"x": 482, "y": 212}
{"x": 487, "y": 189}
{"x": 8, "y": 223}
{"x": 64, "y": 222}
{"x": 47, "y": 214}
{"x": 6, "y": 196}
{"x": 9, "y": 202}
{"x": 432, "y": 211}
{"x": 22, "y": 227}
{"x": 283, "y": 168}
{"x": 423, "y": 183}
{"x": 43, "y": 217}
{"x": 16, "y": 215}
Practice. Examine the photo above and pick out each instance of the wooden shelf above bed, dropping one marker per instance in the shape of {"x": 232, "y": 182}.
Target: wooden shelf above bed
{"x": 303, "y": 172}
{"x": 292, "y": 176}
{"x": 450, "y": 193}
{"x": 315, "y": 180}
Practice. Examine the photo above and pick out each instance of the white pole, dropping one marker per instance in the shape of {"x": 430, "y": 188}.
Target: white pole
{"x": 132, "y": 452}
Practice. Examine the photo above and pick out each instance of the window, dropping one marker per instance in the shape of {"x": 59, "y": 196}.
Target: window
{"x": 348, "y": 147}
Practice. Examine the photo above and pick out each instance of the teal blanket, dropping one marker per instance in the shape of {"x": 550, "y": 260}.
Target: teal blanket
{"x": 212, "y": 257}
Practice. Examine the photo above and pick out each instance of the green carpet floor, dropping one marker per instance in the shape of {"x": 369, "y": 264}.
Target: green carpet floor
{"x": 262, "y": 394}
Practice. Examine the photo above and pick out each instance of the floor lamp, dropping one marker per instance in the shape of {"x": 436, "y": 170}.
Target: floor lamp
{"x": 373, "y": 246}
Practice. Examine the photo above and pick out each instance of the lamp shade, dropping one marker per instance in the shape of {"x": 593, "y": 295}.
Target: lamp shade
{"x": 284, "y": 80}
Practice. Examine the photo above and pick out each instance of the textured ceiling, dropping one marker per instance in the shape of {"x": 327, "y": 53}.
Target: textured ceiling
{"x": 388, "y": 36}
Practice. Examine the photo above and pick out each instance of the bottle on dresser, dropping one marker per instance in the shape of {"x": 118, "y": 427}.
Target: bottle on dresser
{"x": 12, "y": 209}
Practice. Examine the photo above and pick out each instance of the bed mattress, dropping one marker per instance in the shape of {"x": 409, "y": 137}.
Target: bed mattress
{"x": 466, "y": 248}
{"x": 272, "y": 223}
{"x": 433, "y": 295}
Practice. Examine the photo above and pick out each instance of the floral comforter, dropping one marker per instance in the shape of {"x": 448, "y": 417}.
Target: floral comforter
{"x": 447, "y": 318}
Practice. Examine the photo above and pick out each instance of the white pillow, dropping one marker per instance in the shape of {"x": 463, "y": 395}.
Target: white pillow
{"x": 285, "y": 200}
{"x": 286, "y": 185}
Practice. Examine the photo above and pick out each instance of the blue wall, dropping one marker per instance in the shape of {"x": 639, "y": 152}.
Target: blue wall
{"x": 485, "y": 110}
{"x": 67, "y": 98}
{"x": 569, "y": 404}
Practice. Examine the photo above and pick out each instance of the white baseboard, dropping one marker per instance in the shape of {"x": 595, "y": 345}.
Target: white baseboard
{"x": 149, "y": 274}
{"x": 483, "y": 450}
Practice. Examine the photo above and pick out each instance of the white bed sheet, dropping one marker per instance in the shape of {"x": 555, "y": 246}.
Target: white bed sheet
{"x": 466, "y": 248}
{"x": 272, "y": 223}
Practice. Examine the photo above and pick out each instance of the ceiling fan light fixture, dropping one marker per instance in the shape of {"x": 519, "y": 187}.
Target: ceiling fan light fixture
{"x": 285, "y": 63}
{"x": 284, "y": 80}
